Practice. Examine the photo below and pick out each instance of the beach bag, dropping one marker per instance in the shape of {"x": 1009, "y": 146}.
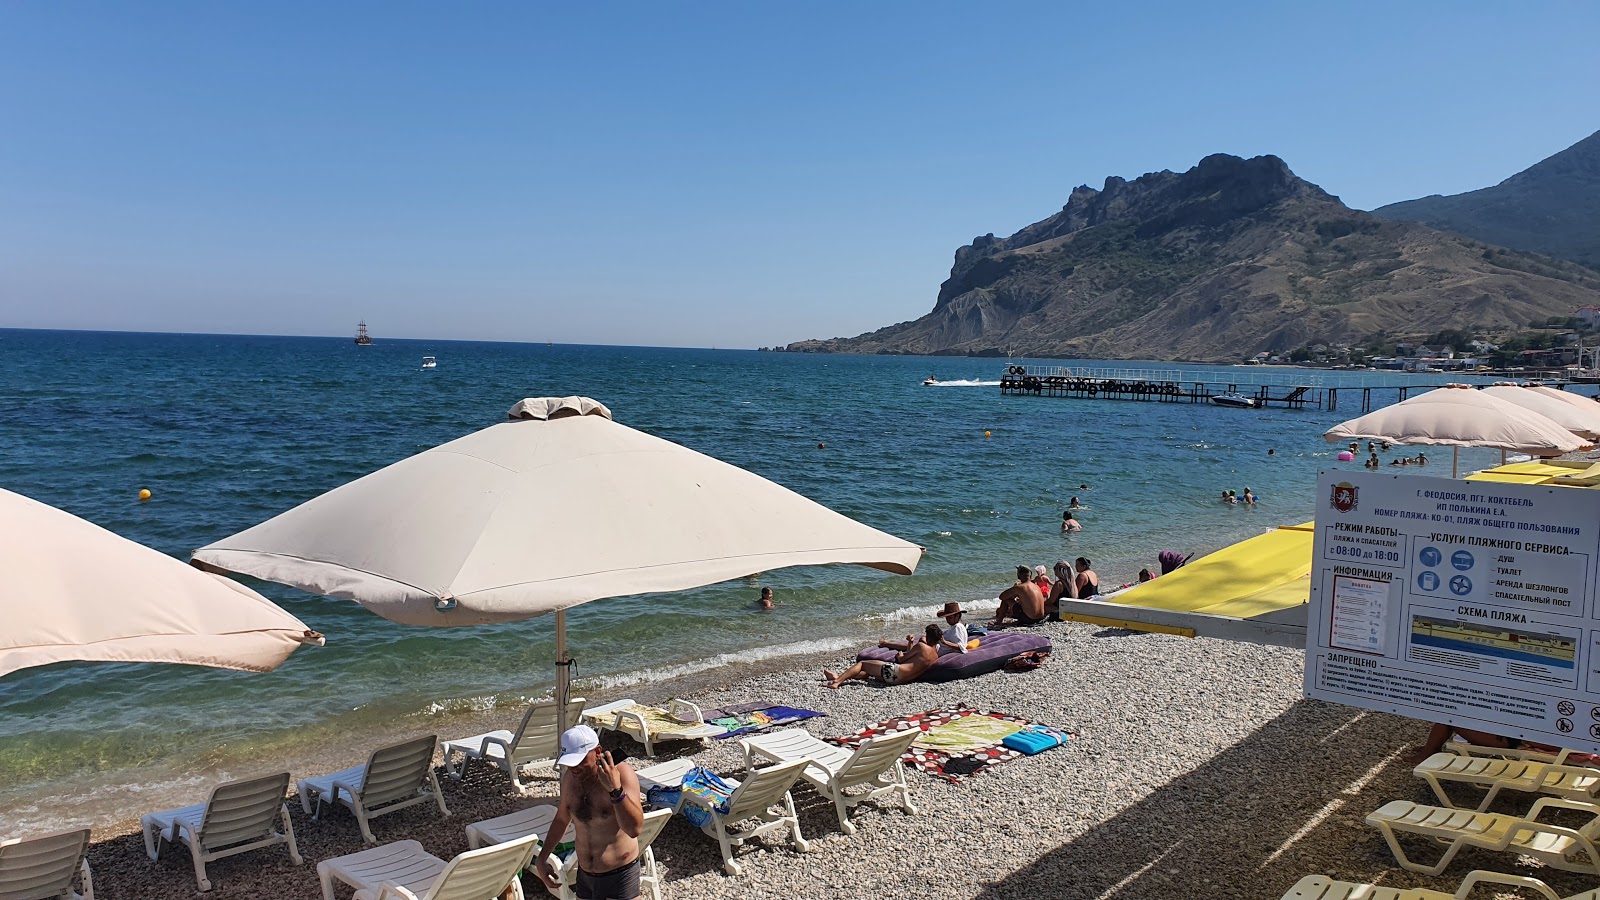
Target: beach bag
{"x": 709, "y": 791}
{"x": 1033, "y": 739}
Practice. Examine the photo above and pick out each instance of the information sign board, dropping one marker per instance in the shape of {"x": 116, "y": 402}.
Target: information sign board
{"x": 1465, "y": 602}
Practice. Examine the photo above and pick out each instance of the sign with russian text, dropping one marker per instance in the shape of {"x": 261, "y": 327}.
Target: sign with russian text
{"x": 1466, "y": 602}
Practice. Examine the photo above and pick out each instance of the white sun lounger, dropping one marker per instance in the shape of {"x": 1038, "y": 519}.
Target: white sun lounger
{"x": 394, "y": 778}
{"x": 236, "y": 818}
{"x": 1571, "y": 849}
{"x": 1321, "y": 887}
{"x": 754, "y": 799}
{"x": 42, "y": 868}
{"x": 680, "y": 721}
{"x": 1497, "y": 774}
{"x": 535, "y": 821}
{"x": 833, "y": 770}
{"x": 404, "y": 871}
{"x": 537, "y": 738}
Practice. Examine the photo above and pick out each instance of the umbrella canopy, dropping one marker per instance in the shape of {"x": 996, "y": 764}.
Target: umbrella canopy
{"x": 71, "y": 590}
{"x": 551, "y": 510}
{"x": 1581, "y": 417}
{"x": 1585, "y": 405}
{"x": 1458, "y": 416}
{"x": 556, "y": 508}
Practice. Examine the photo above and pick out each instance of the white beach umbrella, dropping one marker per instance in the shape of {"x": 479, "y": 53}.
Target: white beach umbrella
{"x": 1458, "y": 416}
{"x": 558, "y": 507}
{"x": 1581, "y": 418}
{"x": 71, "y": 590}
{"x": 1586, "y": 406}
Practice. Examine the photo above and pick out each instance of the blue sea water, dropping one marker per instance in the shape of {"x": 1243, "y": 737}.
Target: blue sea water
{"x": 228, "y": 431}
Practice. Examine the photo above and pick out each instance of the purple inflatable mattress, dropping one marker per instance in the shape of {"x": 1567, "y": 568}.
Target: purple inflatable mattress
{"x": 994, "y": 650}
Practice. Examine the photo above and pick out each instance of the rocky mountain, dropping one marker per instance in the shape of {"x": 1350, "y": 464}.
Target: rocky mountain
{"x": 1227, "y": 259}
{"x": 1552, "y": 207}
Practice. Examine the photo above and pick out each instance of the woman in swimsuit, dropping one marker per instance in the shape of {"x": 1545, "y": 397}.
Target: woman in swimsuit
{"x": 1088, "y": 581}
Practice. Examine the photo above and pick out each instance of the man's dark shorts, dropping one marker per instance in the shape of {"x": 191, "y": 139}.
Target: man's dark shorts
{"x": 617, "y": 884}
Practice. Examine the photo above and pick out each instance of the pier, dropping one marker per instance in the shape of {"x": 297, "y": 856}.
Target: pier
{"x": 1297, "y": 389}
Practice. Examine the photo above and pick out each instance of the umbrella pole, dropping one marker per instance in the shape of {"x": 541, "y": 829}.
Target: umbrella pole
{"x": 1455, "y": 457}
{"x": 563, "y": 667}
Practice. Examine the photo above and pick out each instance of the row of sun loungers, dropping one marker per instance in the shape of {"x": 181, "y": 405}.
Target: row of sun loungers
{"x": 1490, "y": 770}
{"x": 242, "y": 816}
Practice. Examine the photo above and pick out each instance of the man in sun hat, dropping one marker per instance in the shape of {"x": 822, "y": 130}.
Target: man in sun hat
{"x": 600, "y": 799}
{"x": 955, "y": 637}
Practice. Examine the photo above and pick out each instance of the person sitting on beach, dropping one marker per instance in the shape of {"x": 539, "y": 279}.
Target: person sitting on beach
{"x": 1249, "y": 498}
{"x": 954, "y": 639}
{"x": 1145, "y": 575}
{"x": 1088, "y": 581}
{"x": 1068, "y": 523}
{"x": 1041, "y": 580}
{"x": 1066, "y": 586}
{"x": 1021, "y": 602}
{"x": 912, "y": 659}
{"x": 766, "y": 601}
{"x": 601, "y": 800}
{"x": 1440, "y": 733}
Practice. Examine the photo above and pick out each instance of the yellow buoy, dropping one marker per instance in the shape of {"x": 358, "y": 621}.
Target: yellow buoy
{"x": 986, "y": 434}
{"x": 144, "y": 494}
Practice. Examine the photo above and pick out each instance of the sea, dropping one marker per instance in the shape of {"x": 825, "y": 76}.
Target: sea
{"x": 227, "y": 431}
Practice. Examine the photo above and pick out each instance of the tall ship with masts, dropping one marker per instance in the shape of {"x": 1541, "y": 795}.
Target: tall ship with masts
{"x": 362, "y": 338}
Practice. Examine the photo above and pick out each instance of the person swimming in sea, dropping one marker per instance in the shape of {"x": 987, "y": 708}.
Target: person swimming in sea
{"x": 765, "y": 601}
{"x": 1074, "y": 504}
{"x": 1068, "y": 523}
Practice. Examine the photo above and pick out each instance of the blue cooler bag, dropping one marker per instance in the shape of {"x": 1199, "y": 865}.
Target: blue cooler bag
{"x": 1032, "y": 739}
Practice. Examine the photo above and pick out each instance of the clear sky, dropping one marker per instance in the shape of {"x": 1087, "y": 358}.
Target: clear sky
{"x": 689, "y": 174}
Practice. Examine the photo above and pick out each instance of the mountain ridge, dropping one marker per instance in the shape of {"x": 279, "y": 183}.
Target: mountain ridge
{"x": 1228, "y": 258}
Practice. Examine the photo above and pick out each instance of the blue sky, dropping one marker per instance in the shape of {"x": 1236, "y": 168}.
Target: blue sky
{"x": 688, "y": 174}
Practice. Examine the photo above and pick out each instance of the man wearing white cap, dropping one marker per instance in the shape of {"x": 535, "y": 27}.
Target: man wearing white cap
{"x": 600, "y": 799}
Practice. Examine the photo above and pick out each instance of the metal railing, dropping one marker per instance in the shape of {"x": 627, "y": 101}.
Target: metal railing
{"x": 1244, "y": 375}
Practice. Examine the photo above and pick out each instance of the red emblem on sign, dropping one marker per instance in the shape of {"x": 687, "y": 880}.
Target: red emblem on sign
{"x": 1344, "y": 497}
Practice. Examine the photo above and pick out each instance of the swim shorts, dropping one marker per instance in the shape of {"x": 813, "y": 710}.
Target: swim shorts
{"x": 621, "y": 883}
{"x": 1024, "y": 619}
{"x": 890, "y": 673}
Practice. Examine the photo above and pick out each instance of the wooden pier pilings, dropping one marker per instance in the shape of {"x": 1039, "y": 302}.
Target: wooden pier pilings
{"x": 1292, "y": 390}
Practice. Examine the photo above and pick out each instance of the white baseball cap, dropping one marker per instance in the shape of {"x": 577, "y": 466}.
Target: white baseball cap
{"x": 576, "y": 742}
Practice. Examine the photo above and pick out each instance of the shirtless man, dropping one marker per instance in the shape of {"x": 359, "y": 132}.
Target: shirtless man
{"x": 600, "y": 799}
{"x": 914, "y": 658}
{"x": 1022, "y": 601}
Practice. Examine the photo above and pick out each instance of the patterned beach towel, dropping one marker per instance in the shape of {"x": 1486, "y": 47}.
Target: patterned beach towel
{"x": 958, "y": 741}
{"x": 748, "y": 718}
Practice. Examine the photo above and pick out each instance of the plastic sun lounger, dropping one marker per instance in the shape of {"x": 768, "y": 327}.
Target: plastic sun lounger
{"x": 1498, "y": 774}
{"x": 404, "y": 871}
{"x": 43, "y": 867}
{"x": 394, "y": 778}
{"x": 236, "y": 818}
{"x": 537, "y": 738}
{"x": 833, "y": 770}
{"x": 1321, "y": 887}
{"x": 1571, "y": 849}
{"x": 680, "y": 721}
{"x": 755, "y": 798}
{"x": 535, "y": 821}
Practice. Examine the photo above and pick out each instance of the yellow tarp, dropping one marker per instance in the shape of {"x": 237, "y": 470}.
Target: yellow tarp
{"x": 1265, "y": 574}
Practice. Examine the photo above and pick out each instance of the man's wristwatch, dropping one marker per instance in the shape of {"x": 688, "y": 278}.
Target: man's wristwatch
{"x": 617, "y": 795}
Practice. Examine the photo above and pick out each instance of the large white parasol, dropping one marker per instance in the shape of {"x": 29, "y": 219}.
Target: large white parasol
{"x": 1581, "y": 418}
{"x": 1458, "y": 416}
{"x": 558, "y": 507}
{"x": 71, "y": 590}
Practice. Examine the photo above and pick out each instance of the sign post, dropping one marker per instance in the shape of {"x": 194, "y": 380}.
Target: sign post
{"x": 1465, "y": 602}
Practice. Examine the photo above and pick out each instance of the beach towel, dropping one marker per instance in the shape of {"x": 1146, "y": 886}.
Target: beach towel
{"x": 953, "y": 749}
{"x": 749, "y": 718}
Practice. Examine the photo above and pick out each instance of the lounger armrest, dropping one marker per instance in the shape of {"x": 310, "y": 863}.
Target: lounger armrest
{"x": 333, "y": 796}
{"x": 1546, "y": 769}
{"x": 684, "y": 711}
{"x": 1522, "y": 881}
{"x": 1544, "y": 803}
{"x": 87, "y": 877}
{"x": 389, "y": 889}
{"x": 505, "y": 745}
{"x": 625, "y": 715}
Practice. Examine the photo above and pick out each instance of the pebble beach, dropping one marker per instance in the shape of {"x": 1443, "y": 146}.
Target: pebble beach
{"x": 1196, "y": 769}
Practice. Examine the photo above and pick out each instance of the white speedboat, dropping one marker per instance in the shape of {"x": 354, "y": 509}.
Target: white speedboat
{"x": 1235, "y": 399}
{"x": 929, "y": 381}
{"x": 429, "y": 362}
